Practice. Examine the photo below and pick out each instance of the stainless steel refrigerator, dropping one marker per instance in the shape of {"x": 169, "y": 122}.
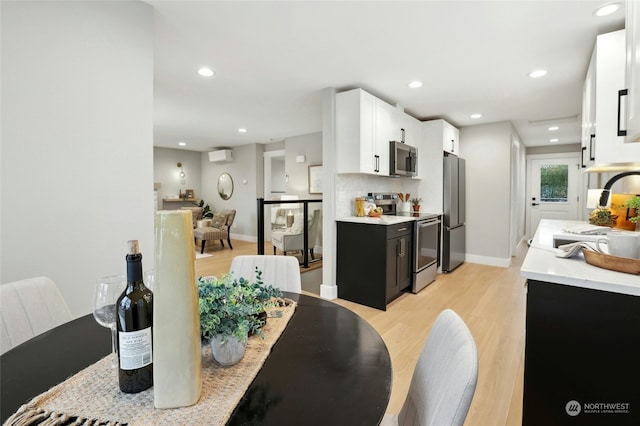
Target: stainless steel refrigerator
{"x": 453, "y": 229}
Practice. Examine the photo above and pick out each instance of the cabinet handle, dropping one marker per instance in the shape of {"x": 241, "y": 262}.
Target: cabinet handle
{"x": 621, "y": 93}
{"x": 402, "y": 229}
{"x": 452, "y": 146}
{"x": 582, "y": 165}
{"x": 592, "y": 148}
{"x": 376, "y": 167}
{"x": 401, "y": 246}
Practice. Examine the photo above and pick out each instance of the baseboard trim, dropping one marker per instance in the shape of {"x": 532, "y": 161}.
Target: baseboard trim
{"x": 328, "y": 291}
{"x": 490, "y": 261}
{"x": 249, "y": 238}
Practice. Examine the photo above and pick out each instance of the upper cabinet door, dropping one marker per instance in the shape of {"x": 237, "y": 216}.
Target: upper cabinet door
{"x": 610, "y": 146}
{"x": 632, "y": 83}
{"x": 450, "y": 138}
{"x": 356, "y": 132}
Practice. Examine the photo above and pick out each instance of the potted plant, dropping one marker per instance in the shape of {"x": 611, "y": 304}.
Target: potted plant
{"x": 634, "y": 206}
{"x": 415, "y": 203}
{"x": 206, "y": 210}
{"x": 602, "y": 216}
{"x": 230, "y": 310}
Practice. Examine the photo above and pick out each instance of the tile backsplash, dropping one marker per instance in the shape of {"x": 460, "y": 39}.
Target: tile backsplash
{"x": 350, "y": 186}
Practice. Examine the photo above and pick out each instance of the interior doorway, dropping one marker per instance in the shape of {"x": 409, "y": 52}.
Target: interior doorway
{"x": 274, "y": 174}
{"x": 553, "y": 188}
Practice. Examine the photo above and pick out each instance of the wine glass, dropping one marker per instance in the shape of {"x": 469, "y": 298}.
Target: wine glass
{"x": 107, "y": 291}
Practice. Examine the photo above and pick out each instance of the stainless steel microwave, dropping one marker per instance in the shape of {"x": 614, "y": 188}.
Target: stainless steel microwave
{"x": 403, "y": 159}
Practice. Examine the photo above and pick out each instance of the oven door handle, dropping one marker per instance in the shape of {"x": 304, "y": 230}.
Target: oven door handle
{"x": 430, "y": 223}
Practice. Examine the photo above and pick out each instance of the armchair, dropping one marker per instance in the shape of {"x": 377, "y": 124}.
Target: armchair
{"x": 292, "y": 239}
{"x": 220, "y": 229}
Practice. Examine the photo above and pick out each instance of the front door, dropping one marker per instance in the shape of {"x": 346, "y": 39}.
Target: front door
{"x": 552, "y": 192}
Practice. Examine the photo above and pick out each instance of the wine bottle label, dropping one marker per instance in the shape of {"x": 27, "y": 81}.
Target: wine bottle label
{"x": 135, "y": 349}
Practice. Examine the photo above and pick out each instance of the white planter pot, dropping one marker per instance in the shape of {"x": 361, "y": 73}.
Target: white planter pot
{"x": 229, "y": 352}
{"x": 404, "y": 207}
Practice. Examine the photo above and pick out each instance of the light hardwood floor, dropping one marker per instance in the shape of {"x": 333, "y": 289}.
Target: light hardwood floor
{"x": 491, "y": 301}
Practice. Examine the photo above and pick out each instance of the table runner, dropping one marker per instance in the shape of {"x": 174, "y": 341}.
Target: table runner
{"x": 93, "y": 396}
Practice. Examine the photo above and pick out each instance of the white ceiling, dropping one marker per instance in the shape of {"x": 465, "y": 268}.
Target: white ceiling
{"x": 273, "y": 58}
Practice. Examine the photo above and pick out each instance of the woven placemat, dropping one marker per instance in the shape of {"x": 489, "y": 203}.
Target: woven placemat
{"x": 93, "y": 393}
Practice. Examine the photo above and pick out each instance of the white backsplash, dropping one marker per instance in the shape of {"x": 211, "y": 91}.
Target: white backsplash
{"x": 350, "y": 186}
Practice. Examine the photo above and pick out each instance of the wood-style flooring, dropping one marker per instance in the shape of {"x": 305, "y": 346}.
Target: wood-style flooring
{"x": 491, "y": 300}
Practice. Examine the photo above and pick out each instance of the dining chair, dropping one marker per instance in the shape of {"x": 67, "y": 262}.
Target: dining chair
{"x": 29, "y": 307}
{"x": 282, "y": 272}
{"x": 444, "y": 379}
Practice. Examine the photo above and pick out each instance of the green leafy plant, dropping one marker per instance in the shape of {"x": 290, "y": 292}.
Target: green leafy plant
{"x": 233, "y": 306}
{"x": 602, "y": 216}
{"x": 634, "y": 203}
{"x": 206, "y": 210}
{"x": 416, "y": 201}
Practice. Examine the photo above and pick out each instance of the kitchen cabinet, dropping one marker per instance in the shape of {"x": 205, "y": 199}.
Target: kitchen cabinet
{"x": 444, "y": 133}
{"x": 610, "y": 79}
{"x": 364, "y": 127}
{"x": 589, "y": 114}
{"x": 632, "y": 75}
{"x": 373, "y": 262}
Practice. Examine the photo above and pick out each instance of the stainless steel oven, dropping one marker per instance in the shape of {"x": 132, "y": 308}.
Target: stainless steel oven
{"x": 426, "y": 251}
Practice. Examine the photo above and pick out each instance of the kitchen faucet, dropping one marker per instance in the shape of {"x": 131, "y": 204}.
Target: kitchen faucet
{"x": 604, "y": 197}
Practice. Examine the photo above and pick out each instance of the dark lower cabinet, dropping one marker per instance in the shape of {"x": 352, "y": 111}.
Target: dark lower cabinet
{"x": 373, "y": 262}
{"x": 582, "y": 357}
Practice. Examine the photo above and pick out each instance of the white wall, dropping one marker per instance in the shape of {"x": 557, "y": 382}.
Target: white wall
{"x": 487, "y": 149}
{"x": 77, "y": 159}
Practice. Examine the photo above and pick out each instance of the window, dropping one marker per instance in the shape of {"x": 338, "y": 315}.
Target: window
{"x": 554, "y": 183}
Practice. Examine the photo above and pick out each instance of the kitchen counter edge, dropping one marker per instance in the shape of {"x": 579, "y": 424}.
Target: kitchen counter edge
{"x": 387, "y": 220}
{"x": 541, "y": 264}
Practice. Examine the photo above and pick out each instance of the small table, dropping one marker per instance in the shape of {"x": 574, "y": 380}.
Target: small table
{"x": 328, "y": 367}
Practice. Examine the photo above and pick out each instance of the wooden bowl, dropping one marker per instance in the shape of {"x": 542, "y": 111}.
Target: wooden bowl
{"x": 374, "y": 214}
{"x": 613, "y": 263}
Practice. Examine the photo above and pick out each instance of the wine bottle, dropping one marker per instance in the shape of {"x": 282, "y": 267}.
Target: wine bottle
{"x": 135, "y": 320}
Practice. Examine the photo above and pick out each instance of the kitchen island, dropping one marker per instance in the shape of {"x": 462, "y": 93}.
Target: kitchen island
{"x": 582, "y": 348}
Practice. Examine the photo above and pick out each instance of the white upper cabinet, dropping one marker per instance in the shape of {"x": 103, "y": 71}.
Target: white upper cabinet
{"x": 610, "y": 146}
{"x": 364, "y": 127}
{"x": 450, "y": 138}
{"x": 355, "y": 132}
{"x": 444, "y": 133}
{"x": 632, "y": 77}
{"x": 589, "y": 114}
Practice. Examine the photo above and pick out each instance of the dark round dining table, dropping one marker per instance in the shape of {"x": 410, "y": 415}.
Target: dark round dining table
{"x": 329, "y": 367}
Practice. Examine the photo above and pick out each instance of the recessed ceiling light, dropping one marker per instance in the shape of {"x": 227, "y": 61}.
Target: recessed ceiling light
{"x": 552, "y": 128}
{"x": 182, "y": 143}
{"x": 242, "y": 130}
{"x": 474, "y": 116}
{"x": 415, "y": 84}
{"x": 607, "y": 9}
{"x": 205, "y": 72}
{"x": 553, "y": 140}
{"x": 537, "y": 73}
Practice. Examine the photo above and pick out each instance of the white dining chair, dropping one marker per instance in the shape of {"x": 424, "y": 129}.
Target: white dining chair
{"x": 444, "y": 379}
{"x": 29, "y": 307}
{"x": 282, "y": 272}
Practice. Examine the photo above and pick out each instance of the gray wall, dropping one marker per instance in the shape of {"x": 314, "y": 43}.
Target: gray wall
{"x": 77, "y": 147}
{"x": 246, "y": 170}
{"x": 167, "y": 173}
{"x": 487, "y": 149}
{"x": 310, "y": 146}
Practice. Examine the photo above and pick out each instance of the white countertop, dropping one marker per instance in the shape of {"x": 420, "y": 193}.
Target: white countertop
{"x": 541, "y": 264}
{"x": 382, "y": 220}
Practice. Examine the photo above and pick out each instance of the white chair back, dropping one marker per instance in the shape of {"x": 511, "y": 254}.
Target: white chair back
{"x": 282, "y": 272}
{"x": 28, "y": 308}
{"x": 445, "y": 377}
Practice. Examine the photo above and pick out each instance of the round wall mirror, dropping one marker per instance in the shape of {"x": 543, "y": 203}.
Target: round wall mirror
{"x": 225, "y": 186}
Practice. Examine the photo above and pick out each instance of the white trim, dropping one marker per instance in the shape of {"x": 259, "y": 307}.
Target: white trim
{"x": 241, "y": 237}
{"x": 490, "y": 261}
{"x": 329, "y": 291}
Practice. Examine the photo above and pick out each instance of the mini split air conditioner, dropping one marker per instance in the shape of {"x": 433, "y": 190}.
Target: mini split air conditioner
{"x": 221, "y": 156}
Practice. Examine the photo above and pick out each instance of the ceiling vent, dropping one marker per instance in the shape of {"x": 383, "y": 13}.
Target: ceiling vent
{"x": 221, "y": 156}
